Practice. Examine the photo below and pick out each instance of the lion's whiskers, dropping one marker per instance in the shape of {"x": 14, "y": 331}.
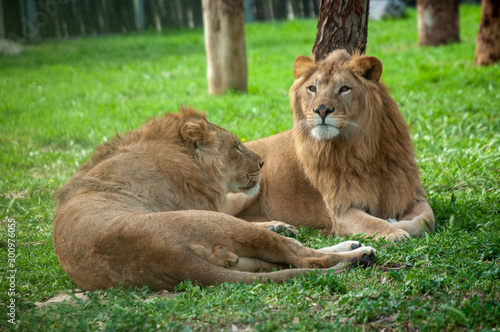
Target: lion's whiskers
{"x": 246, "y": 183}
{"x": 302, "y": 126}
{"x": 250, "y": 181}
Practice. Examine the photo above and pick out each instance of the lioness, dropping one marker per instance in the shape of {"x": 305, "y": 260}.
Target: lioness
{"x": 132, "y": 214}
{"x": 348, "y": 165}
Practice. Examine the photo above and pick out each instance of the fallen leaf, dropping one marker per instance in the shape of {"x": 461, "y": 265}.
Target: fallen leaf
{"x": 62, "y": 297}
{"x": 27, "y": 244}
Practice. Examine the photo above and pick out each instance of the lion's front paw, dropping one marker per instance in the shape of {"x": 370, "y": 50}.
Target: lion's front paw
{"x": 283, "y": 229}
{"x": 395, "y": 235}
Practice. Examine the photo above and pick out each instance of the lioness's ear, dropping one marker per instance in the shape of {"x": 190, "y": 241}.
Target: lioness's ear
{"x": 301, "y": 66}
{"x": 368, "y": 67}
{"x": 194, "y": 131}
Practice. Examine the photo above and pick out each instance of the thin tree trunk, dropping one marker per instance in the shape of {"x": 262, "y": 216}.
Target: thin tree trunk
{"x": 157, "y": 18}
{"x": 289, "y": 10}
{"x": 279, "y": 9}
{"x": 298, "y": 8}
{"x": 270, "y": 10}
{"x": 306, "y": 7}
{"x": 2, "y": 23}
{"x": 488, "y": 38}
{"x": 224, "y": 28}
{"x": 341, "y": 25}
{"x": 197, "y": 13}
{"x": 437, "y": 22}
{"x": 259, "y": 10}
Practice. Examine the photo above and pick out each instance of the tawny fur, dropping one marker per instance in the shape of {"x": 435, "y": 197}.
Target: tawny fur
{"x": 143, "y": 211}
{"x": 364, "y": 175}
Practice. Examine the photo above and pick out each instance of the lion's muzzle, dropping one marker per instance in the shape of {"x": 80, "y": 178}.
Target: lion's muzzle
{"x": 323, "y": 112}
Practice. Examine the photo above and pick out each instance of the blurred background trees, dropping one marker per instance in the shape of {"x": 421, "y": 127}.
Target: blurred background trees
{"x": 437, "y": 22}
{"x": 341, "y": 24}
{"x": 29, "y": 20}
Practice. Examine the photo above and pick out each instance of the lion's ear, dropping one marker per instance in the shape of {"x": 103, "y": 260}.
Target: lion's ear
{"x": 368, "y": 67}
{"x": 195, "y": 132}
{"x": 301, "y": 66}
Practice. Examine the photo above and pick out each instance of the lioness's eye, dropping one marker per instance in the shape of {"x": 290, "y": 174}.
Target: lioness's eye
{"x": 311, "y": 88}
{"x": 344, "y": 89}
{"x": 238, "y": 147}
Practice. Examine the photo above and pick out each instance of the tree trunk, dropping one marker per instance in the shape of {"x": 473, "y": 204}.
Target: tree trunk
{"x": 279, "y": 9}
{"x": 197, "y": 13}
{"x": 224, "y": 29}
{"x": 2, "y": 23}
{"x": 437, "y": 22}
{"x": 488, "y": 38}
{"x": 341, "y": 26}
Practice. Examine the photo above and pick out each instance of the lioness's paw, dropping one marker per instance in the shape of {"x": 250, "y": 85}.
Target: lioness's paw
{"x": 365, "y": 258}
{"x": 367, "y": 250}
{"x": 284, "y": 229}
{"x": 355, "y": 244}
{"x": 342, "y": 247}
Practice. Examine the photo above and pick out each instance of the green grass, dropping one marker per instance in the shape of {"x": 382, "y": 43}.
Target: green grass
{"x": 61, "y": 99}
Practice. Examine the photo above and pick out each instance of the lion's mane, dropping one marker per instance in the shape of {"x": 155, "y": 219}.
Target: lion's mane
{"x": 372, "y": 168}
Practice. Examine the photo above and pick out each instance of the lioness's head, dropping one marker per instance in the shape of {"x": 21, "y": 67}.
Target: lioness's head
{"x": 329, "y": 97}
{"x": 220, "y": 151}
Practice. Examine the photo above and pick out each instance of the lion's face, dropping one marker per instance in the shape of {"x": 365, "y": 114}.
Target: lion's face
{"x": 242, "y": 166}
{"x": 220, "y": 151}
{"x": 330, "y": 104}
{"x": 329, "y": 97}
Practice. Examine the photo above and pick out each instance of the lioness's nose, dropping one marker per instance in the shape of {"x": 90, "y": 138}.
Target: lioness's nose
{"x": 261, "y": 163}
{"x": 323, "y": 111}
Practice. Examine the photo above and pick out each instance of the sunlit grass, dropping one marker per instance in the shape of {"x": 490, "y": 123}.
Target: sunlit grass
{"x": 59, "y": 100}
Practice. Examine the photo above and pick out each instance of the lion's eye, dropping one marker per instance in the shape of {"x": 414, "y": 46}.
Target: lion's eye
{"x": 344, "y": 89}
{"x": 311, "y": 88}
{"x": 238, "y": 147}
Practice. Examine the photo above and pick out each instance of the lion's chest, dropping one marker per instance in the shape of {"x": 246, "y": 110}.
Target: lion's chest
{"x": 357, "y": 185}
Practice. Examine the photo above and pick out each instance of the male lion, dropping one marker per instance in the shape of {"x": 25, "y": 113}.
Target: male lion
{"x": 348, "y": 165}
{"x": 132, "y": 214}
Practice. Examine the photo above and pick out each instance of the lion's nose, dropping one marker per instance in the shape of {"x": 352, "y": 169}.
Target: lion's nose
{"x": 261, "y": 163}
{"x": 323, "y": 111}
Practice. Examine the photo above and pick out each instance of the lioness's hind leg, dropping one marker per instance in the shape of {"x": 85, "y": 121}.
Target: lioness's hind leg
{"x": 221, "y": 256}
{"x": 250, "y": 264}
{"x": 246, "y": 240}
{"x": 362, "y": 256}
{"x": 218, "y": 255}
